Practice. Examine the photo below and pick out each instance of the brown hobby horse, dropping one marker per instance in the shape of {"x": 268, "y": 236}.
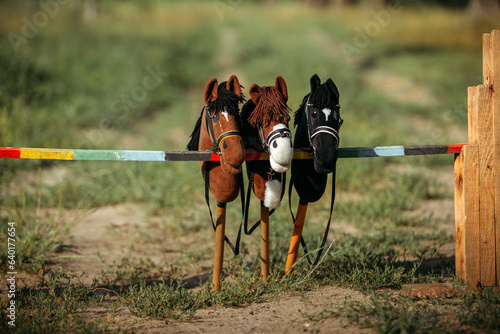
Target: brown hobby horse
{"x": 264, "y": 127}
{"x": 217, "y": 131}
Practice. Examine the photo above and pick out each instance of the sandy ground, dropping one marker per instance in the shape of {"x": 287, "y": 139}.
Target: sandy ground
{"x": 107, "y": 235}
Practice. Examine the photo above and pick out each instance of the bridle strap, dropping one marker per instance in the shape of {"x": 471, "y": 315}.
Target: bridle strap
{"x": 210, "y": 129}
{"x": 272, "y": 136}
{"x": 328, "y": 130}
{"x": 225, "y": 135}
{"x": 320, "y": 129}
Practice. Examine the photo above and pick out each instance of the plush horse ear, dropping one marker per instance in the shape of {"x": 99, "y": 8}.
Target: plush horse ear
{"x": 315, "y": 83}
{"x": 331, "y": 85}
{"x": 211, "y": 91}
{"x": 234, "y": 85}
{"x": 280, "y": 84}
{"x": 255, "y": 93}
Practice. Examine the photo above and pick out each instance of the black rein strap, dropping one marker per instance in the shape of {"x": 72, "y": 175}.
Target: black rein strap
{"x": 247, "y": 205}
{"x": 325, "y": 235}
{"x": 236, "y": 246}
{"x": 216, "y": 149}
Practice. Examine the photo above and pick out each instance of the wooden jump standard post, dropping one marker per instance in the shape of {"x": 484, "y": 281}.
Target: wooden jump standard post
{"x": 477, "y": 178}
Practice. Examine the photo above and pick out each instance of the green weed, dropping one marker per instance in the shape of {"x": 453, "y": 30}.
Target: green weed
{"x": 385, "y": 313}
{"x": 53, "y": 307}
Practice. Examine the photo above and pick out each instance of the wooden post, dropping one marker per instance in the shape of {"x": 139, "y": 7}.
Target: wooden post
{"x": 297, "y": 233}
{"x": 220, "y": 232}
{"x": 477, "y": 177}
{"x": 264, "y": 241}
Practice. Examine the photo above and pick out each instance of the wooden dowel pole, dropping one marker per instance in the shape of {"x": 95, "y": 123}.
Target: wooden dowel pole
{"x": 264, "y": 241}
{"x": 297, "y": 233}
{"x": 220, "y": 230}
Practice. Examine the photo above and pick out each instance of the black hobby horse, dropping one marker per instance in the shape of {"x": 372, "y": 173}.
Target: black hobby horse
{"x": 318, "y": 122}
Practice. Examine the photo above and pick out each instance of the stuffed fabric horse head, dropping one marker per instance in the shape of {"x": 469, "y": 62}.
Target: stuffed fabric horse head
{"x": 217, "y": 130}
{"x": 318, "y": 122}
{"x": 264, "y": 121}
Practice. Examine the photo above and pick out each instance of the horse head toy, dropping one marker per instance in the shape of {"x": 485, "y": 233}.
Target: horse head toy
{"x": 264, "y": 126}
{"x": 217, "y": 130}
{"x": 318, "y": 122}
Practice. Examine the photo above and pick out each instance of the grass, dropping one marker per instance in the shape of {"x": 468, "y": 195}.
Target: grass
{"x": 471, "y": 312}
{"x": 82, "y": 85}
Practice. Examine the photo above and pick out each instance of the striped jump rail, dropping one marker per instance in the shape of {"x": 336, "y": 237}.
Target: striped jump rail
{"x": 137, "y": 155}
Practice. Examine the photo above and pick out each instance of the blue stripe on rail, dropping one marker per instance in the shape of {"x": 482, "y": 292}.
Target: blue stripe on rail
{"x": 381, "y": 151}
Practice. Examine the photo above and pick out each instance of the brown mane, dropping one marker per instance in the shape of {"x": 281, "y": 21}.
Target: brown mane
{"x": 271, "y": 107}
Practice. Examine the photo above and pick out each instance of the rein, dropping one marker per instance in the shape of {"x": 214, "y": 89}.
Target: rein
{"x": 327, "y": 228}
{"x": 236, "y": 246}
{"x": 249, "y": 195}
{"x": 311, "y": 134}
{"x": 216, "y": 149}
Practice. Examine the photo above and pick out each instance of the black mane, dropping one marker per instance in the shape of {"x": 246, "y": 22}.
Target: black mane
{"x": 226, "y": 100}
{"x": 326, "y": 95}
{"x": 246, "y": 111}
{"x": 195, "y": 135}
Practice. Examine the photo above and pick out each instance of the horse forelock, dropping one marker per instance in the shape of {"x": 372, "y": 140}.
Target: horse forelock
{"x": 321, "y": 98}
{"x": 271, "y": 108}
{"x": 324, "y": 98}
{"x": 226, "y": 101}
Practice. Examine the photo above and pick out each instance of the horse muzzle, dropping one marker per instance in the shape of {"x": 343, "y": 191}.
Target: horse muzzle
{"x": 325, "y": 154}
{"x": 232, "y": 155}
{"x": 281, "y": 155}
{"x": 280, "y": 148}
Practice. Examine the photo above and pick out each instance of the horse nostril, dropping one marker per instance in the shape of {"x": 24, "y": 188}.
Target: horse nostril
{"x": 275, "y": 144}
{"x": 224, "y": 145}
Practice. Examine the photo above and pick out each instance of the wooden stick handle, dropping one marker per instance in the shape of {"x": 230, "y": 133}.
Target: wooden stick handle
{"x": 220, "y": 230}
{"x": 264, "y": 242}
{"x": 297, "y": 233}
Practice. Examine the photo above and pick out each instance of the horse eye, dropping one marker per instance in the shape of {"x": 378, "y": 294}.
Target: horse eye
{"x": 314, "y": 113}
{"x": 215, "y": 119}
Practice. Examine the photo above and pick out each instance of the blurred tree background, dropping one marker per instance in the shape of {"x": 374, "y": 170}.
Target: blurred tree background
{"x": 476, "y": 9}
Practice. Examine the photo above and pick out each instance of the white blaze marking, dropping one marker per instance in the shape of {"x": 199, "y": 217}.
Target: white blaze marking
{"x": 226, "y": 114}
{"x": 327, "y": 112}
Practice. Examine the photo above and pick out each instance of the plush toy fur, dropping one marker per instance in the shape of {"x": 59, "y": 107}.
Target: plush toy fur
{"x": 310, "y": 175}
{"x": 267, "y": 109}
{"x": 222, "y": 100}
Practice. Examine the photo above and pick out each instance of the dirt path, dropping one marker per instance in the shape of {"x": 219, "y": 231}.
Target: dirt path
{"x": 288, "y": 314}
{"x": 105, "y": 236}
